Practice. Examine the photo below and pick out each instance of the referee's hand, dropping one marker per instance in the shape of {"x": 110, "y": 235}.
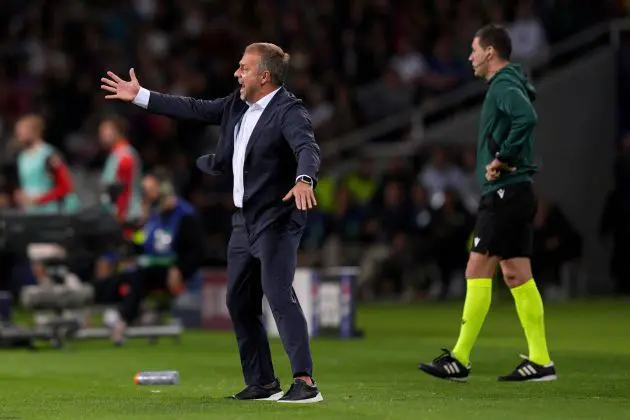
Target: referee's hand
{"x": 304, "y": 196}
{"x": 494, "y": 169}
{"x": 119, "y": 88}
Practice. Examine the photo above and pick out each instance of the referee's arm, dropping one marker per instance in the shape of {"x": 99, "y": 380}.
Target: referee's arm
{"x": 513, "y": 102}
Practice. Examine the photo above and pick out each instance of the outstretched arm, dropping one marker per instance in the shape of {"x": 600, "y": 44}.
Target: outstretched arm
{"x": 181, "y": 107}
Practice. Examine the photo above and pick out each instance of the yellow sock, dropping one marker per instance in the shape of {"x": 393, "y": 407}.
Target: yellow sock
{"x": 529, "y": 306}
{"x": 476, "y": 306}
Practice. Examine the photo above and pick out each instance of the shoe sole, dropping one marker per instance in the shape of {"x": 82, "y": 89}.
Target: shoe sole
{"x": 547, "y": 378}
{"x": 316, "y": 398}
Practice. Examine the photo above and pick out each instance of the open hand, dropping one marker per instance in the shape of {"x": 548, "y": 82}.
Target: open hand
{"x": 121, "y": 89}
{"x": 304, "y": 196}
{"x": 494, "y": 169}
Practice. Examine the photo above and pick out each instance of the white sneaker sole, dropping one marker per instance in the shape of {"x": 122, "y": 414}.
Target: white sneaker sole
{"x": 316, "y": 398}
{"x": 545, "y": 378}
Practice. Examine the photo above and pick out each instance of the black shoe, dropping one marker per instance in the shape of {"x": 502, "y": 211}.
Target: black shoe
{"x": 528, "y": 371}
{"x": 260, "y": 393}
{"x": 446, "y": 366}
{"x": 302, "y": 393}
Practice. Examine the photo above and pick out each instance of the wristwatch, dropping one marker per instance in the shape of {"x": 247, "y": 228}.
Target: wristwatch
{"x": 304, "y": 179}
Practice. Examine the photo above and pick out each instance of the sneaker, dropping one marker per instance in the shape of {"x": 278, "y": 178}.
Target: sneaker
{"x": 528, "y": 371}
{"x": 302, "y": 393}
{"x": 260, "y": 393}
{"x": 446, "y": 366}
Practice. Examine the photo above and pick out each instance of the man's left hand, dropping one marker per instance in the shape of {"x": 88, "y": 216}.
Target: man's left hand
{"x": 494, "y": 169}
{"x": 304, "y": 196}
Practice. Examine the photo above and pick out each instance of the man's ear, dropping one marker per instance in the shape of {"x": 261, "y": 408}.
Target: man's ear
{"x": 266, "y": 77}
{"x": 490, "y": 52}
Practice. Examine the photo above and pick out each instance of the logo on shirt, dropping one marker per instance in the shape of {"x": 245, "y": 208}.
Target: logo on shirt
{"x": 162, "y": 240}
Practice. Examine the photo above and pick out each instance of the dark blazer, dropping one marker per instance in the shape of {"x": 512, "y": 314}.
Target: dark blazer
{"x": 281, "y": 147}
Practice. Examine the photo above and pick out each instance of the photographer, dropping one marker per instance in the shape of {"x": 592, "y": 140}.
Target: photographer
{"x": 172, "y": 252}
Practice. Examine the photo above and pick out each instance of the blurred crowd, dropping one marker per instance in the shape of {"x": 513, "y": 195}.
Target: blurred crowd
{"x": 353, "y": 62}
{"x": 408, "y": 226}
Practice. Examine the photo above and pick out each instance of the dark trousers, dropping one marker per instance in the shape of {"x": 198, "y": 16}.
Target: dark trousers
{"x": 266, "y": 265}
{"x": 130, "y": 288}
{"x": 8, "y": 261}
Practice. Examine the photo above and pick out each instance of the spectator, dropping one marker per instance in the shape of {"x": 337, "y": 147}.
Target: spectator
{"x": 445, "y": 71}
{"x": 528, "y": 34}
{"x": 384, "y": 222}
{"x": 470, "y": 189}
{"x": 556, "y": 242}
{"x": 409, "y": 64}
{"x": 362, "y": 185}
{"x": 452, "y": 226}
{"x": 438, "y": 175}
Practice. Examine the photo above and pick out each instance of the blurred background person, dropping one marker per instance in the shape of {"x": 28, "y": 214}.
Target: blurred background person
{"x": 121, "y": 183}
{"x": 45, "y": 182}
{"x": 171, "y": 253}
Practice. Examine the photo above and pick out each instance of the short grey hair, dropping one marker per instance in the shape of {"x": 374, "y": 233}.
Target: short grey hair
{"x": 272, "y": 59}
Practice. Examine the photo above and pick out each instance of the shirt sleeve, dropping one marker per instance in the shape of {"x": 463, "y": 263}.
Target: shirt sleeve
{"x": 513, "y": 102}
{"x": 124, "y": 176}
{"x": 142, "y": 98}
{"x": 62, "y": 181}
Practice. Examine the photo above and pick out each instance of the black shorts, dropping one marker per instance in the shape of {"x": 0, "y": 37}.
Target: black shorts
{"x": 505, "y": 222}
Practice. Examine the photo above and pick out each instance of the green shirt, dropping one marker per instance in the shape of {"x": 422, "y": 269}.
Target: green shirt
{"x": 506, "y": 129}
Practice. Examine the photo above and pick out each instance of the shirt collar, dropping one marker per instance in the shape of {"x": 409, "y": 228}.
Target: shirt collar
{"x": 264, "y": 101}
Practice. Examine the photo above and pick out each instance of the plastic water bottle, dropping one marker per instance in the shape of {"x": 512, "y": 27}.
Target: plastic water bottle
{"x": 157, "y": 378}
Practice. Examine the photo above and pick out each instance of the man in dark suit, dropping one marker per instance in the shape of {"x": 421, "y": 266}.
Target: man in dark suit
{"x": 267, "y": 142}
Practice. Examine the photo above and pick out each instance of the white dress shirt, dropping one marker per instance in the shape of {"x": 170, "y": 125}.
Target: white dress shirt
{"x": 242, "y": 134}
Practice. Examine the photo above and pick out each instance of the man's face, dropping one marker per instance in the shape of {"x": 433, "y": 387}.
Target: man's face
{"x": 107, "y": 134}
{"x": 479, "y": 58}
{"x": 151, "y": 189}
{"x": 25, "y": 133}
{"x": 249, "y": 76}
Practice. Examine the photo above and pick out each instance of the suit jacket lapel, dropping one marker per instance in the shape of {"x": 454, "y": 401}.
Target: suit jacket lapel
{"x": 263, "y": 120}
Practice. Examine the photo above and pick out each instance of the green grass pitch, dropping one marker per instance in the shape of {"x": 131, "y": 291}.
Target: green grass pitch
{"x": 372, "y": 378}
